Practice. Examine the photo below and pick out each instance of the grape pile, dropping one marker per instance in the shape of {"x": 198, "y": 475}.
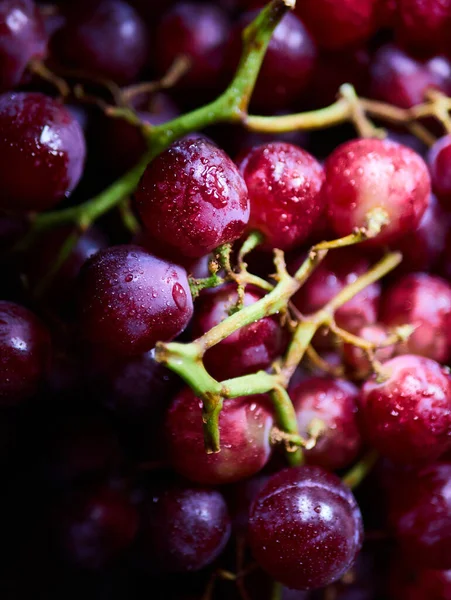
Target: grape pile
{"x": 225, "y": 309}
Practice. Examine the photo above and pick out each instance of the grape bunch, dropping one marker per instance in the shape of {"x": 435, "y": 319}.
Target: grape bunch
{"x": 225, "y": 310}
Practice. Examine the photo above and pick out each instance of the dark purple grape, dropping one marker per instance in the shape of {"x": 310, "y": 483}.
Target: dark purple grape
{"x": 95, "y": 526}
{"x": 192, "y": 198}
{"x": 182, "y": 528}
{"x": 423, "y": 301}
{"x": 333, "y": 402}
{"x": 249, "y": 349}
{"x": 105, "y": 39}
{"x": 439, "y": 160}
{"x": 284, "y": 184}
{"x": 407, "y": 412}
{"x": 420, "y": 515}
{"x": 412, "y": 583}
{"x": 24, "y": 354}
{"x": 198, "y": 32}
{"x": 339, "y": 25}
{"x": 288, "y": 65}
{"x": 370, "y": 174}
{"x": 22, "y": 39}
{"x": 401, "y": 80}
{"x": 245, "y": 426}
{"x": 43, "y": 151}
{"x": 423, "y": 26}
{"x": 129, "y": 299}
{"x": 305, "y": 528}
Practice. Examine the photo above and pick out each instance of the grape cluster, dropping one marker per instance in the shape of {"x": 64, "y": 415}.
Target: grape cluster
{"x": 225, "y": 310}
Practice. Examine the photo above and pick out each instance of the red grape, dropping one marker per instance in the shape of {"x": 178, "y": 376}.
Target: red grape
{"x": 24, "y": 354}
{"x": 369, "y": 174}
{"x": 95, "y": 526}
{"x": 249, "y": 349}
{"x": 192, "y": 198}
{"x": 401, "y": 80}
{"x": 407, "y": 414}
{"x": 439, "y": 159}
{"x": 419, "y": 584}
{"x": 182, "y": 528}
{"x": 43, "y": 151}
{"x": 423, "y": 301}
{"x": 339, "y": 25}
{"x": 358, "y": 360}
{"x": 244, "y": 424}
{"x": 129, "y": 299}
{"x": 284, "y": 184}
{"x": 420, "y": 515}
{"x": 334, "y": 403}
{"x": 288, "y": 65}
{"x": 105, "y": 39}
{"x": 22, "y": 39}
{"x": 305, "y": 528}
{"x": 423, "y": 26}
{"x": 339, "y": 269}
{"x": 197, "y": 31}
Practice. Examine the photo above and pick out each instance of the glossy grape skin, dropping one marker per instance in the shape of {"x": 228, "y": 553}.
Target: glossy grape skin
{"x": 420, "y": 516}
{"x": 334, "y": 403}
{"x": 368, "y": 174}
{"x": 197, "y": 31}
{"x": 192, "y": 198}
{"x": 129, "y": 299}
{"x": 284, "y": 184}
{"x": 25, "y": 354}
{"x": 356, "y": 358}
{"x": 244, "y": 425}
{"x": 41, "y": 139}
{"x": 400, "y": 79}
{"x": 305, "y": 528}
{"x": 340, "y": 268}
{"x": 248, "y": 350}
{"x": 22, "y": 39}
{"x": 94, "y": 526}
{"x": 288, "y": 65}
{"x": 338, "y": 25}
{"x": 422, "y": 248}
{"x": 419, "y": 584}
{"x": 182, "y": 528}
{"x": 439, "y": 160}
{"x": 424, "y": 301}
{"x": 423, "y": 26}
{"x": 407, "y": 415}
{"x": 105, "y": 39}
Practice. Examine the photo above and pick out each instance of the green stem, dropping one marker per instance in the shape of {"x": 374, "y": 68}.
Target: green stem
{"x": 359, "y": 471}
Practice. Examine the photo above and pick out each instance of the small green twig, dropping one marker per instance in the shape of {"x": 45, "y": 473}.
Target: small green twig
{"x": 359, "y": 471}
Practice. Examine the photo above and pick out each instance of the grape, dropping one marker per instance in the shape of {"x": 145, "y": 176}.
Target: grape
{"x": 95, "y": 526}
{"x": 244, "y": 425}
{"x": 369, "y": 174}
{"x": 423, "y": 301}
{"x": 334, "y": 403}
{"x": 339, "y": 25}
{"x": 407, "y": 414}
{"x": 423, "y": 26}
{"x": 192, "y": 198}
{"x": 130, "y": 299}
{"x": 43, "y": 142}
{"x": 105, "y": 39}
{"x": 420, "y": 515}
{"x": 24, "y": 354}
{"x": 422, "y": 248}
{"x": 59, "y": 292}
{"x": 305, "y": 528}
{"x": 340, "y": 268}
{"x": 249, "y": 349}
{"x": 197, "y": 31}
{"x": 358, "y": 360}
{"x": 419, "y": 584}
{"x": 22, "y": 39}
{"x": 182, "y": 528}
{"x": 284, "y": 184}
{"x": 288, "y": 65}
{"x": 439, "y": 159}
{"x": 403, "y": 81}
